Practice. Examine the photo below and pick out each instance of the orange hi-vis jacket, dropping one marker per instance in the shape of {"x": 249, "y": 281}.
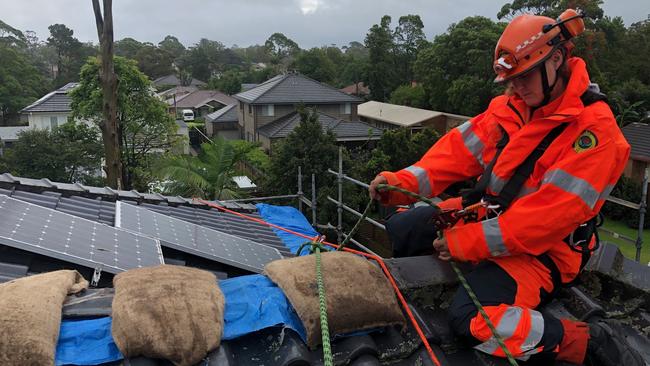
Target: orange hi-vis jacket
{"x": 568, "y": 186}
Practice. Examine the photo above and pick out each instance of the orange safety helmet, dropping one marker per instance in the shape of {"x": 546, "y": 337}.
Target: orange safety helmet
{"x": 529, "y": 40}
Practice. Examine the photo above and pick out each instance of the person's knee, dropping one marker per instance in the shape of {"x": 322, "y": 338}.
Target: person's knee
{"x": 460, "y": 316}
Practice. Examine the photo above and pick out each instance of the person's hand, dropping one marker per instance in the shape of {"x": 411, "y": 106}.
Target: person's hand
{"x": 440, "y": 245}
{"x": 374, "y": 193}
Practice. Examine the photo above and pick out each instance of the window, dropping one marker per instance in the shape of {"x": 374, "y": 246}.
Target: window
{"x": 346, "y": 108}
{"x": 268, "y": 110}
{"x": 241, "y": 106}
{"x": 250, "y": 109}
{"x": 54, "y": 122}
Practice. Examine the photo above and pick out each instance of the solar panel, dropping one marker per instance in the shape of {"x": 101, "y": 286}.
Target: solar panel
{"x": 195, "y": 239}
{"x": 73, "y": 239}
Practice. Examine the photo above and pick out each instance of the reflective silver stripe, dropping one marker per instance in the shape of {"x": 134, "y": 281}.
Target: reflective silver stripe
{"x": 472, "y": 142}
{"x": 574, "y": 185}
{"x": 505, "y": 329}
{"x": 608, "y": 189}
{"x": 424, "y": 186}
{"x": 536, "y": 331}
{"x": 494, "y": 238}
{"x": 496, "y": 184}
{"x": 525, "y": 191}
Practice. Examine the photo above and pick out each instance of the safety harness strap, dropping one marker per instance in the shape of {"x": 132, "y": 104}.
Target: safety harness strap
{"x": 511, "y": 190}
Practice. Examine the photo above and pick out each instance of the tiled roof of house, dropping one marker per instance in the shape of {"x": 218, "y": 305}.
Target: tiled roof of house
{"x": 356, "y": 89}
{"x": 200, "y": 98}
{"x": 56, "y": 101}
{"x": 294, "y": 88}
{"x": 225, "y": 114}
{"x": 638, "y": 136}
{"x": 343, "y": 130}
{"x": 174, "y": 80}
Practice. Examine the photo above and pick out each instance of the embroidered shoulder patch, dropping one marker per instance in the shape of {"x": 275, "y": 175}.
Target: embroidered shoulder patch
{"x": 585, "y": 141}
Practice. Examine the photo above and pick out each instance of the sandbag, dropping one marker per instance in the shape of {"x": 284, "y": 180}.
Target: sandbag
{"x": 359, "y": 296}
{"x": 168, "y": 312}
{"x": 30, "y": 316}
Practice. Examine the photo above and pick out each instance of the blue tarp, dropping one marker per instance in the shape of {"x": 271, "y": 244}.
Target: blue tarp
{"x": 288, "y": 218}
{"x": 86, "y": 342}
{"x": 252, "y": 303}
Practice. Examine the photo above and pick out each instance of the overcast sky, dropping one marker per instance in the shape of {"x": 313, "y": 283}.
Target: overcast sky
{"x": 244, "y": 22}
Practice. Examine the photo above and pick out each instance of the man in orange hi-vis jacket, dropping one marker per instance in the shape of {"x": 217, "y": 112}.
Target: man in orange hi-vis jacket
{"x": 548, "y": 152}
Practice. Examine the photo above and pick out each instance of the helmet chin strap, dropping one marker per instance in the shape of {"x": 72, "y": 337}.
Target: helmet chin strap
{"x": 546, "y": 88}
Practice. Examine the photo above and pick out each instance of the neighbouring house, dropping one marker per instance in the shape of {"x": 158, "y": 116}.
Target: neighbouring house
{"x": 389, "y": 116}
{"x": 201, "y": 102}
{"x": 164, "y": 82}
{"x": 638, "y": 136}
{"x": 50, "y": 111}
{"x": 348, "y": 133}
{"x": 223, "y": 123}
{"x": 282, "y": 94}
{"x": 359, "y": 89}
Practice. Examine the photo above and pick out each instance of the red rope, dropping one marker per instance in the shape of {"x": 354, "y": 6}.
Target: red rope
{"x": 378, "y": 259}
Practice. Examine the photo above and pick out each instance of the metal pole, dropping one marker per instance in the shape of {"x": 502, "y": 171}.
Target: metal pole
{"x": 313, "y": 199}
{"x": 300, "y": 195}
{"x": 642, "y": 210}
{"x": 339, "y": 205}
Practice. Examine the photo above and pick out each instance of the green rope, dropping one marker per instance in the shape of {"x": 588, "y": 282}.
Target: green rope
{"x": 315, "y": 248}
{"x": 461, "y": 277}
{"x": 322, "y": 304}
{"x": 356, "y": 226}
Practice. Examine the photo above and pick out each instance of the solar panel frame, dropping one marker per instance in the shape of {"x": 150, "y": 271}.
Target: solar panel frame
{"x": 70, "y": 238}
{"x": 195, "y": 239}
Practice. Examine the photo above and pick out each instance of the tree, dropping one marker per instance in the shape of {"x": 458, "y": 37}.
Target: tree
{"x": 457, "y": 66}
{"x": 172, "y": 46}
{"x": 306, "y": 146}
{"x": 153, "y": 61}
{"x": 69, "y": 153}
{"x": 203, "y": 59}
{"x": 281, "y": 48}
{"x": 381, "y": 69}
{"x": 208, "y": 175}
{"x": 550, "y": 8}
{"x": 316, "y": 64}
{"x": 20, "y": 82}
{"x": 128, "y": 47}
{"x": 395, "y": 150}
{"x": 409, "y": 39}
{"x": 70, "y": 53}
{"x": 412, "y": 96}
{"x": 10, "y": 36}
{"x": 229, "y": 83}
{"x": 144, "y": 128}
{"x": 109, "y": 99}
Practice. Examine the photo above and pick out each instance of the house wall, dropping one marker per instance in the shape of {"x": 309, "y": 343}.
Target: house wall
{"x": 280, "y": 110}
{"x": 42, "y": 120}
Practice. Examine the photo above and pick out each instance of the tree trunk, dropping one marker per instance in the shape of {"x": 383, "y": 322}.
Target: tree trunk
{"x": 113, "y": 167}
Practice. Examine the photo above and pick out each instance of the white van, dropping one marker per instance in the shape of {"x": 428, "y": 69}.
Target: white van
{"x": 188, "y": 115}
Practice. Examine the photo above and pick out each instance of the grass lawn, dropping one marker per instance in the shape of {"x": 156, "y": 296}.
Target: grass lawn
{"x": 628, "y": 249}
